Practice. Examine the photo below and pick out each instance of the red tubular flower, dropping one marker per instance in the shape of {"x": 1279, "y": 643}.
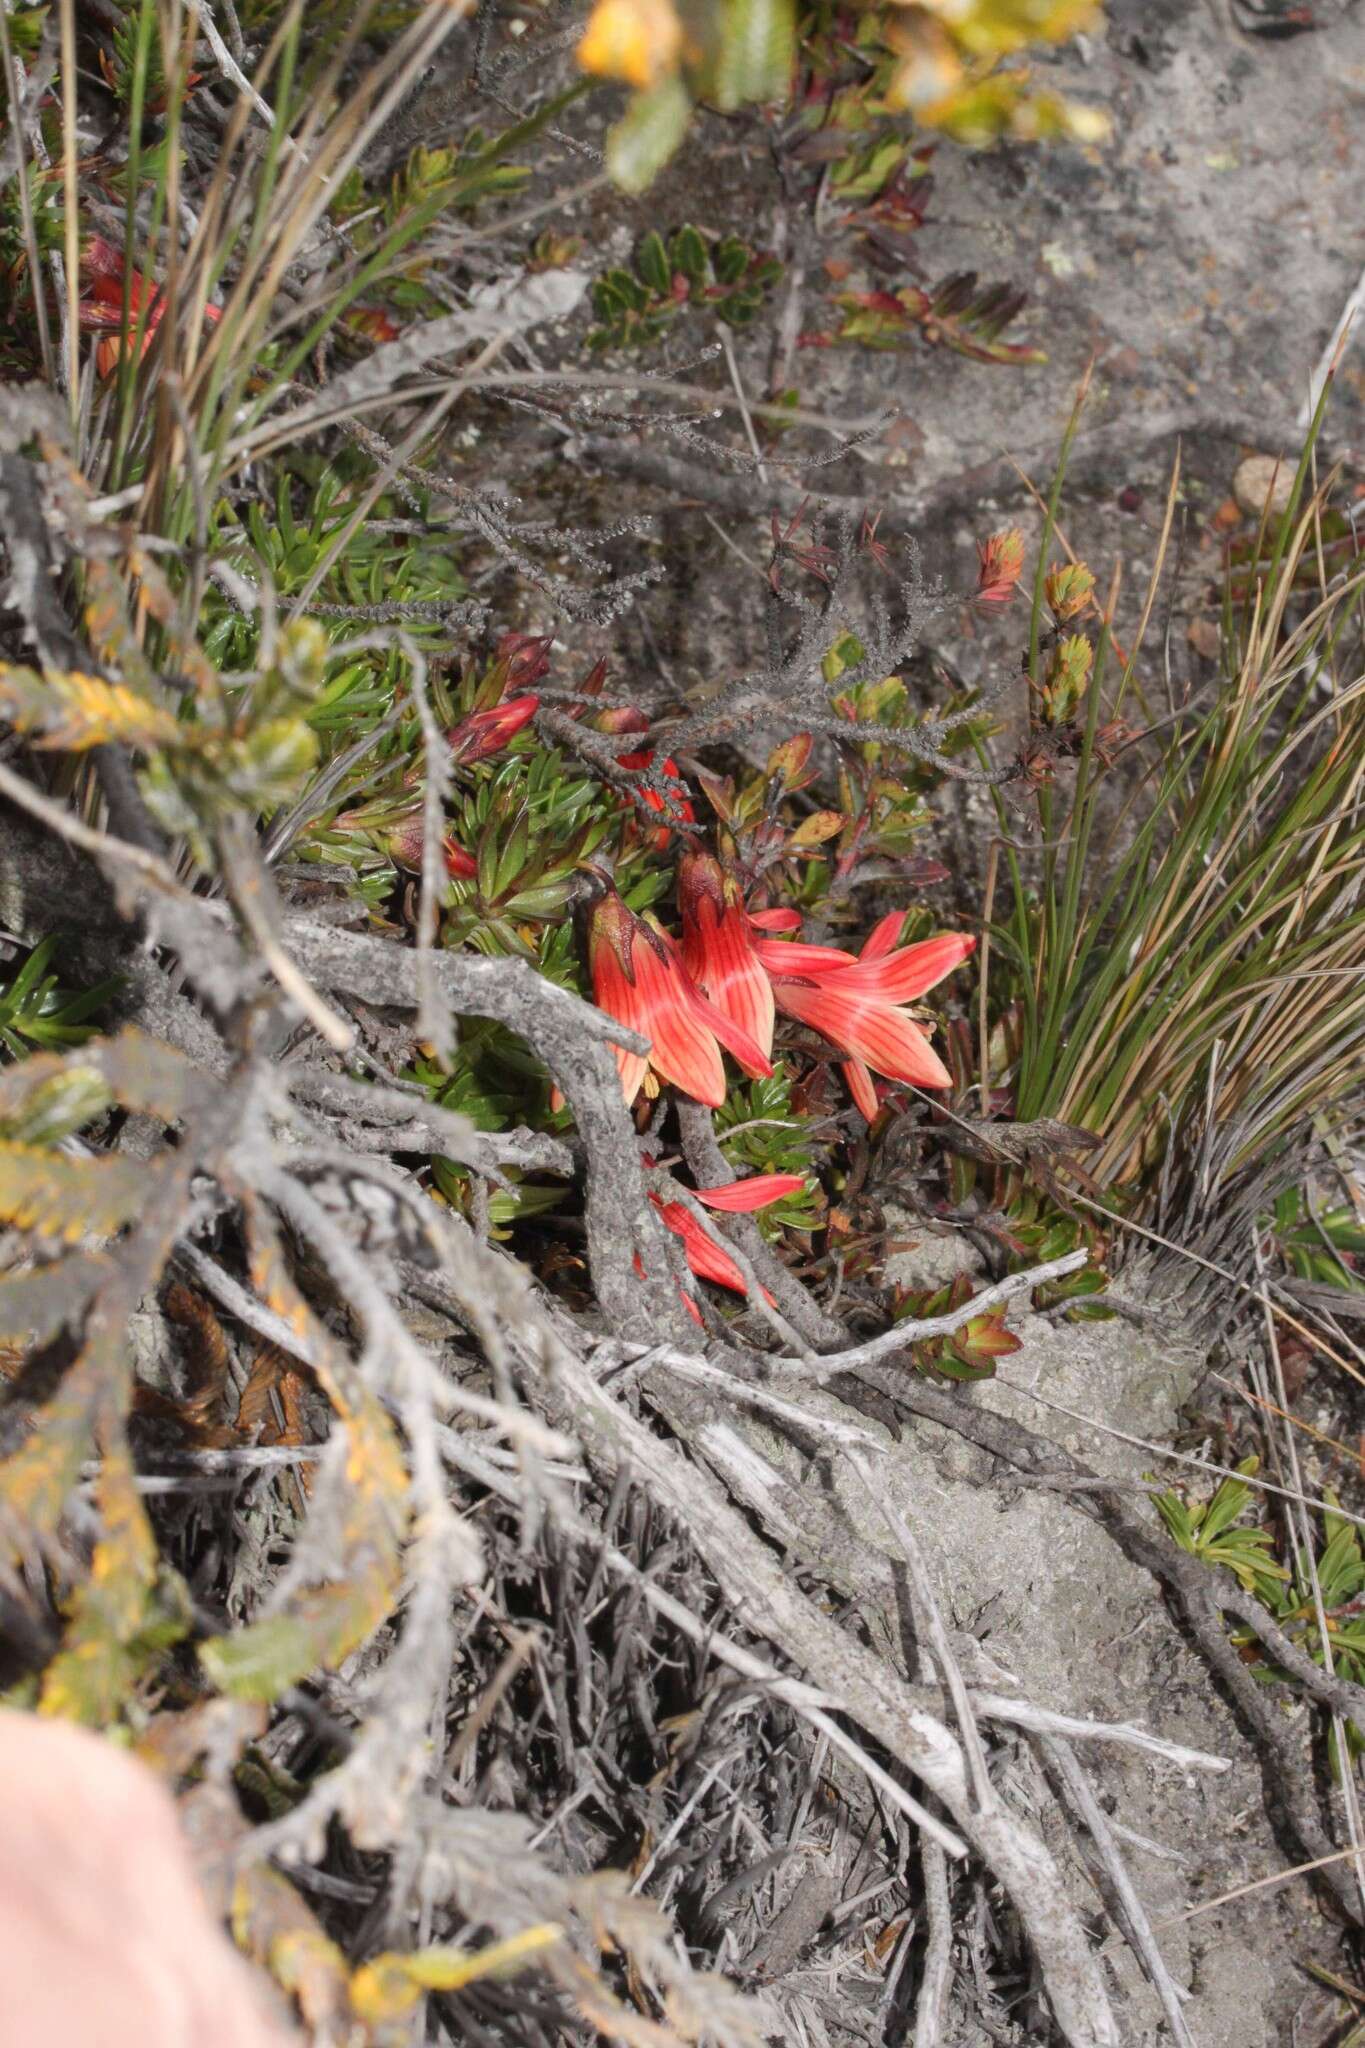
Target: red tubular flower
{"x": 482, "y": 733}
{"x": 857, "y": 1004}
{"x": 718, "y": 947}
{"x": 708, "y": 1259}
{"x": 460, "y": 864}
{"x": 759, "y": 1191}
{"x": 706, "y": 1256}
{"x": 1002, "y": 564}
{"x": 638, "y": 977}
{"x": 102, "y": 308}
{"x": 642, "y": 758}
{"x": 622, "y": 718}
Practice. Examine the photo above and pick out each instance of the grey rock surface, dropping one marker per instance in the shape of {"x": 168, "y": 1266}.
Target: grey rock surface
{"x": 1202, "y": 256}
{"x": 1038, "y": 1598}
{"x": 1200, "y": 260}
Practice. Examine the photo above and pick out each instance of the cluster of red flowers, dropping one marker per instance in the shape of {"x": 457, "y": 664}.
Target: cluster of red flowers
{"x": 719, "y": 987}
{"x": 622, "y": 719}
{"x": 101, "y": 305}
{"x": 724, "y": 984}
{"x": 722, "y": 987}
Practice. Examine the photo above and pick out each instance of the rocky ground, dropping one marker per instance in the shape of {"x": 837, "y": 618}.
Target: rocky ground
{"x": 1201, "y": 261}
{"x": 1198, "y": 265}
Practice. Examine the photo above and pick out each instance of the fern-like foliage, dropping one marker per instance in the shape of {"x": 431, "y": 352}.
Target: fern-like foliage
{"x": 98, "y": 1227}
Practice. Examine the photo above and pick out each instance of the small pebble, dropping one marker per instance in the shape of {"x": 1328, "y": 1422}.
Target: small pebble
{"x": 1262, "y": 477}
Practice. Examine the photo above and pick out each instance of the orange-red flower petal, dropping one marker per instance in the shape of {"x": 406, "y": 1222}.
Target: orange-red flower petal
{"x": 902, "y": 976}
{"x": 102, "y": 275}
{"x": 639, "y": 978}
{"x": 707, "y": 1259}
{"x": 790, "y": 956}
{"x": 718, "y": 953}
{"x": 861, "y": 1087}
{"x": 759, "y": 1191}
{"x": 881, "y": 940}
{"x": 872, "y": 1029}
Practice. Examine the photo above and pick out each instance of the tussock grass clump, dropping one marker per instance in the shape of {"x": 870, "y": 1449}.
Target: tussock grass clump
{"x": 1186, "y": 973}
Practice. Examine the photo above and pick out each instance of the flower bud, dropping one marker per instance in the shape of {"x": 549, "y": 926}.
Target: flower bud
{"x": 482, "y": 733}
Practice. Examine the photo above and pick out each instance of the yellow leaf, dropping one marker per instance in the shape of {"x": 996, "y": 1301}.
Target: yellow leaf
{"x": 636, "y": 41}
{"x": 320, "y": 1625}
{"x": 138, "y": 1072}
{"x": 36, "y": 1479}
{"x": 948, "y": 51}
{"x": 993, "y": 28}
{"x": 817, "y": 828}
{"x": 271, "y": 1923}
{"x": 101, "y": 1658}
{"x": 391, "y": 1984}
{"x": 59, "y": 1196}
{"x": 75, "y": 711}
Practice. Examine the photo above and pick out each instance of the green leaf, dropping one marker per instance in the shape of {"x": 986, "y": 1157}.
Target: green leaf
{"x": 1227, "y": 1504}
{"x": 740, "y": 308}
{"x": 953, "y": 1366}
{"x": 1175, "y": 1515}
{"x": 1341, "y": 1570}
{"x": 643, "y": 140}
{"x": 57, "y": 1107}
{"x": 730, "y": 259}
{"x": 651, "y": 261}
{"x": 688, "y": 251}
{"x": 513, "y": 854}
{"x": 627, "y": 290}
{"x": 862, "y": 175}
{"x": 275, "y": 758}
